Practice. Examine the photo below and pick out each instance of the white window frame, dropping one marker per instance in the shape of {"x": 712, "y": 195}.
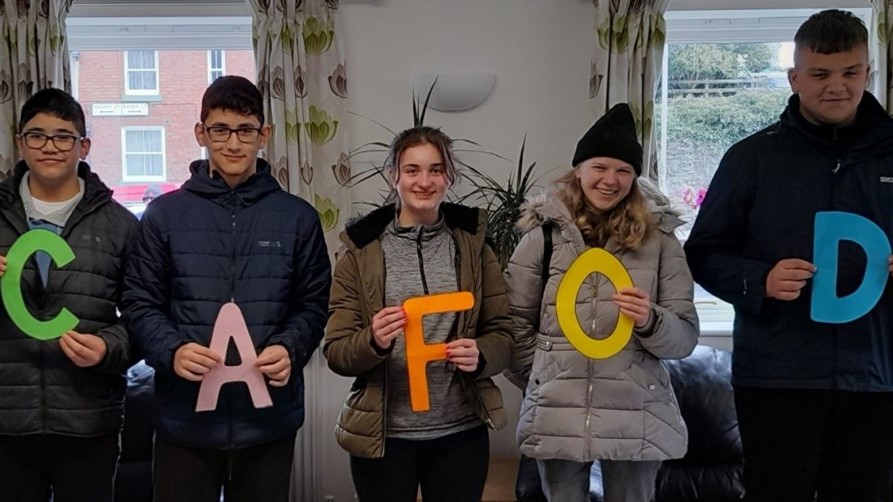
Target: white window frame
{"x": 211, "y": 69}
{"x": 128, "y": 70}
{"x": 124, "y": 152}
{"x": 727, "y": 26}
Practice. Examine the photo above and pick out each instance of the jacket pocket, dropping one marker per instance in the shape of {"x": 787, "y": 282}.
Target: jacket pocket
{"x": 544, "y": 366}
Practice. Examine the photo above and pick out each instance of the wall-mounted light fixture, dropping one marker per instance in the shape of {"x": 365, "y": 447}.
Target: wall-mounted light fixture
{"x": 453, "y": 92}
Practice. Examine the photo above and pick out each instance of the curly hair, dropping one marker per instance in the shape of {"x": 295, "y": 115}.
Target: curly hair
{"x": 629, "y": 222}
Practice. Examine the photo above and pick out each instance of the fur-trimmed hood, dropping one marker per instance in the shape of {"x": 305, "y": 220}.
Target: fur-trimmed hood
{"x": 547, "y": 205}
{"x": 364, "y": 230}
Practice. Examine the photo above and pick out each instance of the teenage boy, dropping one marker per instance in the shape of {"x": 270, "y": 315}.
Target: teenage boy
{"x": 230, "y": 234}
{"x": 814, "y": 400}
{"x": 61, "y": 399}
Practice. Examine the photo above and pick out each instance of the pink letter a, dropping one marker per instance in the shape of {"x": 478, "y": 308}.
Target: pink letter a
{"x": 230, "y": 324}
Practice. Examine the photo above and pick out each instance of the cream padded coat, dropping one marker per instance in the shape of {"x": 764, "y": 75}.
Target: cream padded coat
{"x": 581, "y": 409}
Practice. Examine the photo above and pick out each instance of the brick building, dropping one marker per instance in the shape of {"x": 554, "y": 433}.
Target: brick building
{"x": 141, "y": 106}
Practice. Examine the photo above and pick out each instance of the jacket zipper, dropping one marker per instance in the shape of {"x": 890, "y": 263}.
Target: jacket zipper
{"x": 232, "y": 291}
{"x": 418, "y": 248}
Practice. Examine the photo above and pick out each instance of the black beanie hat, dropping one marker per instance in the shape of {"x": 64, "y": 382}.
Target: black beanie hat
{"x": 613, "y": 135}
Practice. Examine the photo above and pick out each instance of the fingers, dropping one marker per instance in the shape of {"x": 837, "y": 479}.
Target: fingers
{"x": 464, "y": 354}
{"x": 387, "y": 324}
{"x": 788, "y": 277}
{"x": 84, "y": 350}
{"x": 796, "y": 263}
{"x": 2, "y": 265}
{"x": 275, "y": 363}
{"x": 192, "y": 361}
{"x": 634, "y": 303}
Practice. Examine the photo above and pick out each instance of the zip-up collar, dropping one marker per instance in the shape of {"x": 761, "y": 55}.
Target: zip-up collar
{"x": 246, "y": 193}
{"x": 96, "y": 194}
{"x": 873, "y": 125}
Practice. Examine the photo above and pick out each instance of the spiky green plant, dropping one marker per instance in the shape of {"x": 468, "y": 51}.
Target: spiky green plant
{"x": 503, "y": 202}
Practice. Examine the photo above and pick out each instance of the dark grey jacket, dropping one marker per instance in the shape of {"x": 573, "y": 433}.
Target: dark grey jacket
{"x": 41, "y": 390}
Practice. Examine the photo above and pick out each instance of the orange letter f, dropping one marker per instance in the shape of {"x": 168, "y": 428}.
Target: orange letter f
{"x": 418, "y": 353}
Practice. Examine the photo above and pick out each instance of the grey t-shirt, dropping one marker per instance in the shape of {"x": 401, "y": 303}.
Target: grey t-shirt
{"x": 421, "y": 260}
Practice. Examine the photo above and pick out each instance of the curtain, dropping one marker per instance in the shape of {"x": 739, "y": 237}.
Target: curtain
{"x": 626, "y": 64}
{"x": 301, "y": 72}
{"x": 33, "y": 56}
{"x": 880, "y": 52}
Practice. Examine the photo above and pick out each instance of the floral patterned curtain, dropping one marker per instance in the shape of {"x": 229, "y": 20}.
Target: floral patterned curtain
{"x": 301, "y": 73}
{"x": 626, "y": 64}
{"x": 33, "y": 56}
{"x": 881, "y": 52}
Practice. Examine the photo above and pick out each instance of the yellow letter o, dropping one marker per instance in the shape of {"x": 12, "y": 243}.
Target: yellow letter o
{"x": 592, "y": 261}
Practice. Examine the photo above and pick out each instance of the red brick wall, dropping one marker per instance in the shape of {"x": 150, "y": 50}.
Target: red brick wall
{"x": 182, "y": 77}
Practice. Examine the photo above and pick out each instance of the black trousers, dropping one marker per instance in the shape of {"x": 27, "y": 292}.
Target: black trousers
{"x": 806, "y": 445}
{"x": 70, "y": 469}
{"x": 452, "y": 468}
{"x": 185, "y": 474}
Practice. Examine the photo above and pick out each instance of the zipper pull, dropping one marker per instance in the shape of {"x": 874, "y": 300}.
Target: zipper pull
{"x": 836, "y": 168}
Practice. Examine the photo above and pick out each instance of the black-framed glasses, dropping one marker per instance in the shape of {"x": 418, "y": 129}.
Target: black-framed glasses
{"x": 62, "y": 142}
{"x": 221, "y": 134}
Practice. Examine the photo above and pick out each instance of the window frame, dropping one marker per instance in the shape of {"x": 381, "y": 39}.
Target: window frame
{"x": 127, "y": 178}
{"x": 727, "y": 26}
{"x": 211, "y": 69}
{"x": 127, "y": 71}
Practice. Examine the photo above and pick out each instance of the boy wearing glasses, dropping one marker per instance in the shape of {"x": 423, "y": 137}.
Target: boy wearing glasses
{"x": 61, "y": 399}
{"x": 230, "y": 234}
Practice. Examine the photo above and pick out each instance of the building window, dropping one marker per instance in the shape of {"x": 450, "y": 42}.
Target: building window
{"x": 143, "y": 153}
{"x": 725, "y": 78}
{"x": 216, "y": 64}
{"x": 141, "y": 72}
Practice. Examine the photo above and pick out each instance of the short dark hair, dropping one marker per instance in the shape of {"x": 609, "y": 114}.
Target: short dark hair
{"x": 57, "y": 103}
{"x": 234, "y": 93}
{"x": 831, "y": 31}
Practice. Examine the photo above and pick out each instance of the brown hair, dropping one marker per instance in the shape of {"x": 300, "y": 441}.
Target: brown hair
{"x": 416, "y": 136}
{"x": 629, "y": 222}
{"x": 831, "y": 31}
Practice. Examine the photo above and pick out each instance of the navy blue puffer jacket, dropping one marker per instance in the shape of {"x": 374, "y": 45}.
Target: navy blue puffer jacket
{"x": 760, "y": 209}
{"x": 207, "y": 244}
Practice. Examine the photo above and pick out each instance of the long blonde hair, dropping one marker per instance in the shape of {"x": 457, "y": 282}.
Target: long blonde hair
{"x": 629, "y": 222}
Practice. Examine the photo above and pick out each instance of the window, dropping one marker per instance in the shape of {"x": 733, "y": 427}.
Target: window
{"x": 141, "y": 72}
{"x": 216, "y": 67}
{"x": 101, "y": 47}
{"x": 143, "y": 153}
{"x": 725, "y": 78}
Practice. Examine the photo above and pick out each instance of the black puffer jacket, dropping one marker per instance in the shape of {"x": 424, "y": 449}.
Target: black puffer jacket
{"x": 208, "y": 244}
{"x": 41, "y": 390}
{"x": 760, "y": 209}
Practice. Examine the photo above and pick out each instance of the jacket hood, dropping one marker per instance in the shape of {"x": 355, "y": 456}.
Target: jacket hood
{"x": 874, "y": 122}
{"x": 368, "y": 228}
{"x": 213, "y": 187}
{"x": 95, "y": 191}
{"x": 548, "y": 206}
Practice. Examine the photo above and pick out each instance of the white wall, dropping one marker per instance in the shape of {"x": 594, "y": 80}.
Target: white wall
{"x": 540, "y": 52}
